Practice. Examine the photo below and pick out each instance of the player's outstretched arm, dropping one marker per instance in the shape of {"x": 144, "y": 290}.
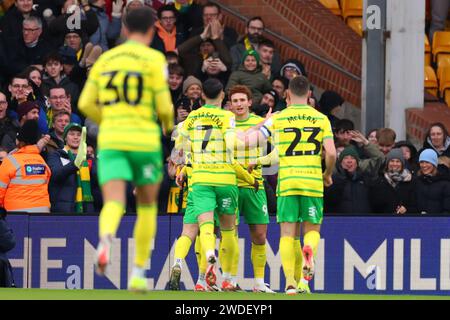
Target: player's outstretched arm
{"x": 330, "y": 161}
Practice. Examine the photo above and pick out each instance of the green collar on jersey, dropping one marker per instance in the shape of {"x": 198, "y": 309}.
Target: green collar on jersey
{"x": 210, "y": 106}
{"x": 249, "y": 116}
{"x": 299, "y": 106}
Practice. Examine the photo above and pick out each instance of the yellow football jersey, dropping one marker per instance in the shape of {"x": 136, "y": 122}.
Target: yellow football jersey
{"x": 126, "y": 91}
{"x": 249, "y": 155}
{"x": 206, "y": 129}
{"x": 298, "y": 133}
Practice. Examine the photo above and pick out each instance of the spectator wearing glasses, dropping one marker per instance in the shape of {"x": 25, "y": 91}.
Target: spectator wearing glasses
{"x": 212, "y": 16}
{"x": 29, "y": 48}
{"x": 12, "y": 22}
{"x": 167, "y": 36}
{"x": 60, "y": 102}
{"x": 251, "y": 40}
{"x": 292, "y": 68}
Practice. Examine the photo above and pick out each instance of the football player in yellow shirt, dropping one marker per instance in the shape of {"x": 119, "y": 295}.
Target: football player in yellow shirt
{"x": 125, "y": 93}
{"x": 299, "y": 134}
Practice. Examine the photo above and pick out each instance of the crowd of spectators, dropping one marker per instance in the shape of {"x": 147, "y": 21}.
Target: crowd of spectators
{"x": 45, "y": 57}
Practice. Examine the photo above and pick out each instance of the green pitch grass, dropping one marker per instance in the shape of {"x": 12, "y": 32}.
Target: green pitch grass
{"x": 48, "y": 294}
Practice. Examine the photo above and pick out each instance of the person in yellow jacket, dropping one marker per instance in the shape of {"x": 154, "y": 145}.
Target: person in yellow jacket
{"x": 24, "y": 175}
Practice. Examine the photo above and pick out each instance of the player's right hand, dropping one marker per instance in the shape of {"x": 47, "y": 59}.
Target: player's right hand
{"x": 250, "y": 167}
{"x": 179, "y": 180}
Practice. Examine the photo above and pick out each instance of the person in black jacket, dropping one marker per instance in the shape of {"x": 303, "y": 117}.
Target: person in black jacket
{"x": 167, "y": 36}
{"x": 394, "y": 191}
{"x": 349, "y": 192}
{"x": 65, "y": 173}
{"x": 438, "y": 139}
{"x": 433, "y": 185}
{"x": 7, "y": 243}
{"x": 8, "y": 127}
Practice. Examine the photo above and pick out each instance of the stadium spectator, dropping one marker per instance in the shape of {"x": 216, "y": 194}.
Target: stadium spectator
{"x": 196, "y": 49}
{"x": 31, "y": 110}
{"x": 394, "y": 191}
{"x": 60, "y": 101}
{"x": 172, "y": 58}
{"x": 133, "y": 4}
{"x": 292, "y": 68}
{"x": 74, "y": 177}
{"x": 20, "y": 91}
{"x": 437, "y": 138}
{"x": 60, "y": 26}
{"x": 24, "y": 175}
{"x": 54, "y": 76}
{"x": 372, "y": 136}
{"x": 249, "y": 74}
{"x": 71, "y": 67}
{"x": 190, "y": 99}
{"x": 7, "y": 243}
{"x": 349, "y": 192}
{"x": 12, "y": 22}
{"x": 212, "y": 16}
{"x": 176, "y": 77}
{"x": 342, "y": 136}
{"x": 410, "y": 155}
{"x": 59, "y": 122}
{"x": 108, "y": 30}
{"x": 213, "y": 67}
{"x": 386, "y": 139}
{"x": 433, "y": 185}
{"x": 330, "y": 104}
{"x": 280, "y": 85}
{"x": 8, "y": 127}
{"x": 167, "y": 36}
{"x": 29, "y": 48}
{"x": 269, "y": 101}
{"x": 253, "y": 39}
{"x": 270, "y": 65}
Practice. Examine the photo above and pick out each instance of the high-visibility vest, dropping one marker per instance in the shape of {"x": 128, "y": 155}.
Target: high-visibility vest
{"x": 24, "y": 178}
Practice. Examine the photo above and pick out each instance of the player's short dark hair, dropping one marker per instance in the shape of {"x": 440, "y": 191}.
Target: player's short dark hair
{"x": 212, "y": 88}
{"x": 139, "y": 20}
{"x": 344, "y": 125}
{"x": 167, "y": 7}
{"x": 254, "y": 19}
{"x": 175, "y": 68}
{"x": 299, "y": 86}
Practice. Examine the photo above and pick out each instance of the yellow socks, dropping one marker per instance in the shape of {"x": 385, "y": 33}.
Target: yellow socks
{"x": 288, "y": 259}
{"x": 207, "y": 239}
{"x": 198, "y": 250}
{"x": 235, "y": 266}
{"x": 258, "y": 256}
{"x": 182, "y": 249}
{"x": 312, "y": 239}
{"x": 144, "y": 232}
{"x": 110, "y": 217}
{"x": 227, "y": 250}
{"x": 298, "y": 260}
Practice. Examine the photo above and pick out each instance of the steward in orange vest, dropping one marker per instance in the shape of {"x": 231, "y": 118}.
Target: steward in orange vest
{"x": 24, "y": 175}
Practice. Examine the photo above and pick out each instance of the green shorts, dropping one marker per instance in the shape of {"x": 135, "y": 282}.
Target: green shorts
{"x": 253, "y": 206}
{"x": 224, "y": 199}
{"x": 189, "y": 216}
{"x": 300, "y": 209}
{"x": 141, "y": 168}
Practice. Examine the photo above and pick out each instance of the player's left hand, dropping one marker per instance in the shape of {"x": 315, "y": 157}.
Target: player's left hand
{"x": 250, "y": 167}
{"x": 327, "y": 180}
{"x": 256, "y": 185}
{"x": 180, "y": 180}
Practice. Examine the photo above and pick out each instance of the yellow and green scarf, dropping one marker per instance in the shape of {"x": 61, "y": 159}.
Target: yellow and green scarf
{"x": 83, "y": 193}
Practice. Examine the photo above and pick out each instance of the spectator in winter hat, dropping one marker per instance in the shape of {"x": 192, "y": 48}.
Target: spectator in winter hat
{"x": 394, "y": 191}
{"x": 433, "y": 186}
{"x": 250, "y": 75}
